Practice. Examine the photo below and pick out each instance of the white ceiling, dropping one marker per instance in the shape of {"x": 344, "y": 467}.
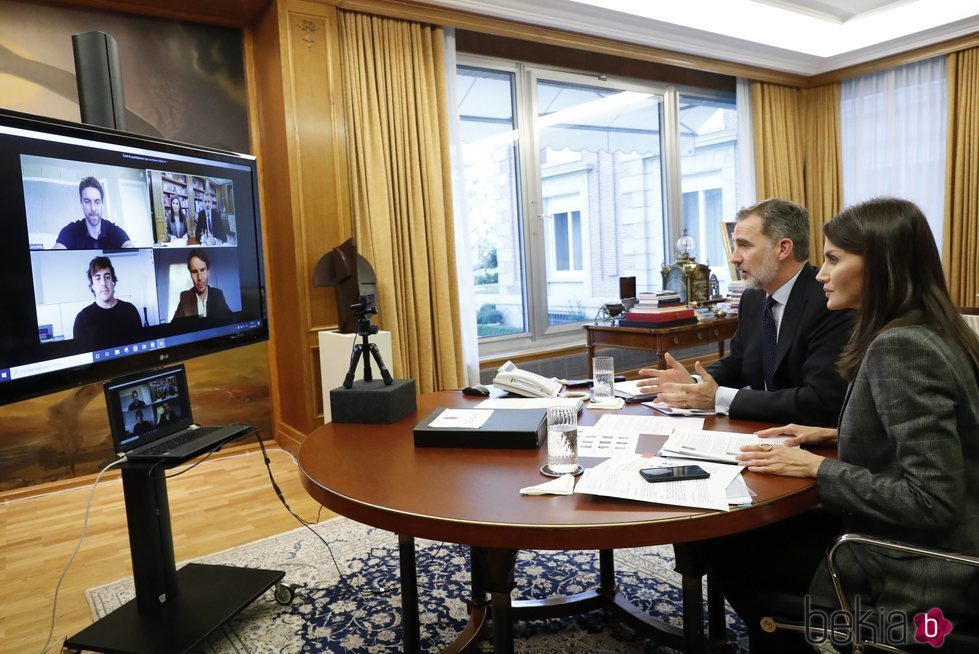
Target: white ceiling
{"x": 807, "y": 37}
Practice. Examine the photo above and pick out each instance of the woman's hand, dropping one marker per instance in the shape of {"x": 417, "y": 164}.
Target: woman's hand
{"x": 802, "y": 435}
{"x": 780, "y": 460}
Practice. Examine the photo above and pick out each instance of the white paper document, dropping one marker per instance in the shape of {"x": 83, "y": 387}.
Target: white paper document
{"x": 529, "y": 402}
{"x": 647, "y": 424}
{"x": 712, "y": 445}
{"x": 619, "y": 477}
{"x": 461, "y": 419}
{"x": 599, "y": 443}
{"x": 738, "y": 493}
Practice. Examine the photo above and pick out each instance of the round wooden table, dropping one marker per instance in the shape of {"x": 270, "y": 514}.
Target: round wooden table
{"x": 375, "y": 475}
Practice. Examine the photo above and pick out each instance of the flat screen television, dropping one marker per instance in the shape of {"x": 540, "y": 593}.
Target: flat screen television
{"x": 120, "y": 253}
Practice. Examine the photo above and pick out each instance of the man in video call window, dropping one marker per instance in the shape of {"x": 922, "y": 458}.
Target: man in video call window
{"x": 108, "y": 321}
{"x": 136, "y": 403}
{"x": 92, "y": 232}
{"x": 209, "y": 222}
{"x": 201, "y": 301}
{"x": 167, "y": 414}
{"x": 141, "y": 425}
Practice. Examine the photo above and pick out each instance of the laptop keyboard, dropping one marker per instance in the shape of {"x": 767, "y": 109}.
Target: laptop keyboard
{"x": 174, "y": 443}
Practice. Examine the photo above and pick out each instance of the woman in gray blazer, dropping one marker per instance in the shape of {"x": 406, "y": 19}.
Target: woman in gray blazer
{"x": 908, "y": 435}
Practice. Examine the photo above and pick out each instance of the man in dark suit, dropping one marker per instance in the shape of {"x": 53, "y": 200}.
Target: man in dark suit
{"x": 209, "y": 221}
{"x": 203, "y": 300}
{"x": 782, "y": 362}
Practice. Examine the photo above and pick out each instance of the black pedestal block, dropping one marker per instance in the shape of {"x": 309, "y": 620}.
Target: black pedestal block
{"x": 373, "y": 402}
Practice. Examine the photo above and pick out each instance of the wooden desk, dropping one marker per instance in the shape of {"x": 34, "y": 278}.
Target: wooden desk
{"x": 374, "y": 475}
{"x": 661, "y": 341}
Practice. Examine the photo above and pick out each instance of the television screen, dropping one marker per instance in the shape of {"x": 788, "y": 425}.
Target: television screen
{"x": 121, "y": 252}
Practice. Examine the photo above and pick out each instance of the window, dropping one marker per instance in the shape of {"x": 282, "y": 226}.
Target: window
{"x": 893, "y": 130}
{"x": 567, "y": 188}
{"x": 567, "y": 241}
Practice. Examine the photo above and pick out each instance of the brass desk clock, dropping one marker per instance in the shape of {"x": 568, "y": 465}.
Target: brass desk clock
{"x": 685, "y": 277}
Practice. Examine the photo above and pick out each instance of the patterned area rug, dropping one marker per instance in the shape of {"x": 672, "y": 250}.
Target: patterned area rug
{"x": 330, "y": 616}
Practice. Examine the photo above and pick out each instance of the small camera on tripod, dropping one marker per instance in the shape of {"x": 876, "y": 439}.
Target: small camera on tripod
{"x": 363, "y": 310}
{"x": 365, "y": 307}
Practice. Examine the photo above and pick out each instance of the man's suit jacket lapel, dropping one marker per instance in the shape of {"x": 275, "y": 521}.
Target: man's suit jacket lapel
{"x": 793, "y": 312}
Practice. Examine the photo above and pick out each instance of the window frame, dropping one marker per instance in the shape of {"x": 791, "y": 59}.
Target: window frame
{"x": 540, "y": 335}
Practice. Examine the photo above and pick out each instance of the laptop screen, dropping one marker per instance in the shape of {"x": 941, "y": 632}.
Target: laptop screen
{"x": 147, "y": 407}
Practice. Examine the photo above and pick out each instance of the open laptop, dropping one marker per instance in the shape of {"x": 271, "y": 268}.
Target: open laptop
{"x": 150, "y": 418}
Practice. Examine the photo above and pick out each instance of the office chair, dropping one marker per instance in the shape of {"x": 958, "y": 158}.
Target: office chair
{"x": 963, "y": 638}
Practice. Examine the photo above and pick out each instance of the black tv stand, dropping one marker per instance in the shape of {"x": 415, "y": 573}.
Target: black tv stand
{"x": 173, "y": 611}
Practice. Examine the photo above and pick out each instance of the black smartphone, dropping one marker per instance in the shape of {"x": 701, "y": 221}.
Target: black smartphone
{"x": 676, "y": 473}
{"x": 641, "y": 397}
{"x": 577, "y": 383}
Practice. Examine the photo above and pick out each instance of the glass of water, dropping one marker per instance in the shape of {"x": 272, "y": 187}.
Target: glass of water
{"x": 603, "y": 380}
{"x": 562, "y": 442}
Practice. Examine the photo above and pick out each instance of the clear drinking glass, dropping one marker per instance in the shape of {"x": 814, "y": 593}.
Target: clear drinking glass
{"x": 603, "y": 380}
{"x": 562, "y": 442}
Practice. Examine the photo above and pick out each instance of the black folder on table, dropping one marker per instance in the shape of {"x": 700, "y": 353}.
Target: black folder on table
{"x": 521, "y": 429}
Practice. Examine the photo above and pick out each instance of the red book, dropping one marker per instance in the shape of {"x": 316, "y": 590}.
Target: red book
{"x": 645, "y": 324}
{"x": 660, "y": 315}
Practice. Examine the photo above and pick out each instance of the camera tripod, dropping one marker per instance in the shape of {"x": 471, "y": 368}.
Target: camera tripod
{"x": 366, "y": 349}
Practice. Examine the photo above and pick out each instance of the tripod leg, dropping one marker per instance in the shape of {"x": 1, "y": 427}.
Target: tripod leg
{"x": 365, "y": 346}
{"x": 376, "y": 353}
{"x": 348, "y": 381}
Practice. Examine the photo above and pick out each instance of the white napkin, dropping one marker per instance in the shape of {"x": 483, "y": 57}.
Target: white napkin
{"x": 616, "y": 403}
{"x": 563, "y": 485}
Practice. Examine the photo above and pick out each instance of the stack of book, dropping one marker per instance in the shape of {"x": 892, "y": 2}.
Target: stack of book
{"x": 655, "y": 299}
{"x": 658, "y": 317}
{"x": 734, "y": 291}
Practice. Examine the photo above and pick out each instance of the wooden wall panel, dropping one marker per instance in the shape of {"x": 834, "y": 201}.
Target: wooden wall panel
{"x": 297, "y": 99}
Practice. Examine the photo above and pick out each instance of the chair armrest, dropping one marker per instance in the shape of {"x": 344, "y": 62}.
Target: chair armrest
{"x": 864, "y": 539}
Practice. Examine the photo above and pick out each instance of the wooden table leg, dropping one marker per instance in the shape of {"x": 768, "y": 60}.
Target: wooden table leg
{"x": 409, "y": 595}
{"x": 693, "y": 614}
{"x": 497, "y": 574}
{"x": 716, "y": 619}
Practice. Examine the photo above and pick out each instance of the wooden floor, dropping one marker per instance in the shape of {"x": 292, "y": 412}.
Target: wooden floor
{"x": 219, "y": 504}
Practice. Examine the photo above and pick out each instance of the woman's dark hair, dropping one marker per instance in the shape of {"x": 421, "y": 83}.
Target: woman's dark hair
{"x": 903, "y": 282}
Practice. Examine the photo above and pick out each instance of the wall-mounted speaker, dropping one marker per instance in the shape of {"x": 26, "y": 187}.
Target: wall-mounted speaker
{"x": 100, "y": 95}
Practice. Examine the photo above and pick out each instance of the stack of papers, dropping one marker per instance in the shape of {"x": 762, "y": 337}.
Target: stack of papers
{"x": 628, "y": 388}
{"x": 619, "y": 477}
{"x": 662, "y": 407}
{"x": 719, "y": 446}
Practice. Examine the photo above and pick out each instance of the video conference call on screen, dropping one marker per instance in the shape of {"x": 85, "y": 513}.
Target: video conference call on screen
{"x": 115, "y": 249}
{"x": 146, "y": 406}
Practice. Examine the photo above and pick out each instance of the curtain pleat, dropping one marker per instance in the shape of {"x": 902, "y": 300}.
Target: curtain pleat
{"x": 778, "y": 142}
{"x": 400, "y": 178}
{"x": 822, "y": 152}
{"x": 961, "y": 242}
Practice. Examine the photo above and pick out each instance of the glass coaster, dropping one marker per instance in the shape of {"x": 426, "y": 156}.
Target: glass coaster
{"x": 546, "y": 471}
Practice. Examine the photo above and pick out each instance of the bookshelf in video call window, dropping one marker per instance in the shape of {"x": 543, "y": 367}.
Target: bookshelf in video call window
{"x": 192, "y": 193}
{"x": 172, "y": 185}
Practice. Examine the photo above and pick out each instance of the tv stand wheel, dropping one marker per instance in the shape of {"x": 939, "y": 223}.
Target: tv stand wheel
{"x": 284, "y": 594}
{"x": 70, "y": 650}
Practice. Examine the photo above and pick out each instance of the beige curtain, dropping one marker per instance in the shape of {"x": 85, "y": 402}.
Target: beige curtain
{"x": 823, "y": 156}
{"x": 797, "y": 150}
{"x": 394, "y": 81}
{"x": 961, "y": 242}
{"x": 775, "y": 111}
